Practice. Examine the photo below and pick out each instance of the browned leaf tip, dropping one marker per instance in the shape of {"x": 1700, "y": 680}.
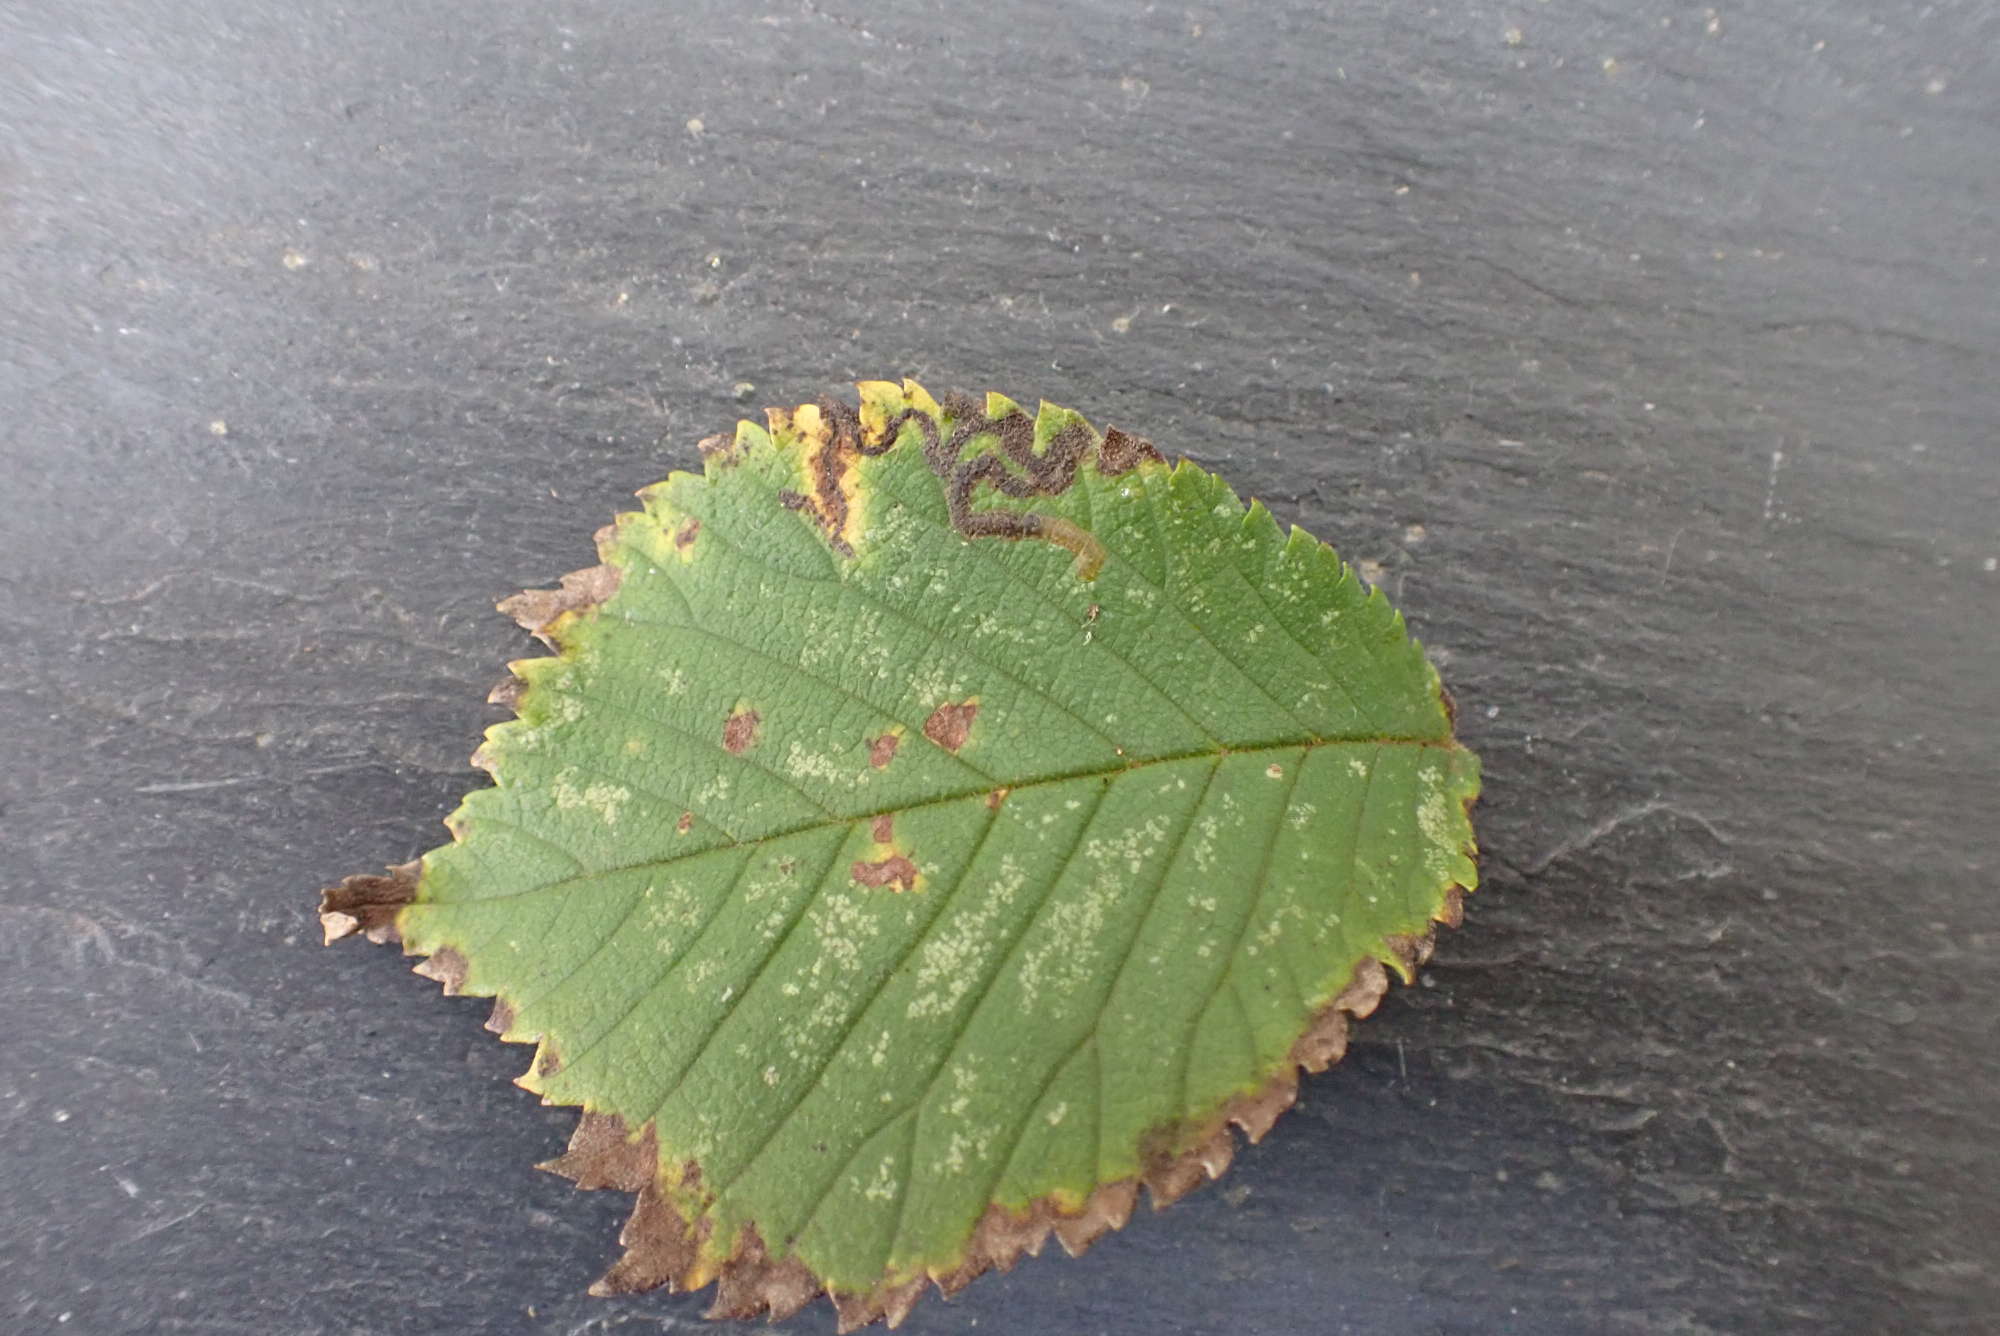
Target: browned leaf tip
{"x": 660, "y": 1247}
{"x": 537, "y": 609}
{"x": 719, "y": 450}
{"x": 367, "y": 904}
{"x": 447, "y": 967}
{"x": 603, "y": 1153}
{"x": 1121, "y": 452}
{"x": 502, "y": 1019}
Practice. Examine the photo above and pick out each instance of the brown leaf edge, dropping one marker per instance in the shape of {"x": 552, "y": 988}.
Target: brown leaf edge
{"x": 664, "y": 1248}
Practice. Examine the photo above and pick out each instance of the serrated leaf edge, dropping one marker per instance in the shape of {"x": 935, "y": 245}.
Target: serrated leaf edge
{"x": 665, "y": 1246}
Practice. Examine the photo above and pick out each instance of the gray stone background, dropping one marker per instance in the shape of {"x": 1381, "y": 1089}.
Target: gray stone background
{"x": 1645, "y": 353}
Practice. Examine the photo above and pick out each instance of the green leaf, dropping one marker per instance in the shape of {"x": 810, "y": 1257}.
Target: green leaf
{"x": 935, "y": 823}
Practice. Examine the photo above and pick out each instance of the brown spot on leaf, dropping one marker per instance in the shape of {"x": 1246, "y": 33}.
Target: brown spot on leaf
{"x": 995, "y": 798}
{"x": 502, "y": 1019}
{"x": 537, "y": 609}
{"x": 507, "y": 692}
{"x": 882, "y": 749}
{"x": 368, "y": 904}
{"x": 885, "y": 828}
{"x": 685, "y": 535}
{"x": 548, "y": 1062}
{"x": 685, "y": 824}
{"x": 949, "y": 724}
{"x": 739, "y": 731}
{"x": 895, "y": 870}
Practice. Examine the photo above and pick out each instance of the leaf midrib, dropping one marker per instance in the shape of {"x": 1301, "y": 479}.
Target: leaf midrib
{"x": 1108, "y": 773}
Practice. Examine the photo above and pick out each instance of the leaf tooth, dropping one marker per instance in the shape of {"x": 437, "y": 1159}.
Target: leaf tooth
{"x": 660, "y": 1248}
{"x": 1453, "y": 912}
{"x": 1051, "y": 420}
{"x": 602, "y": 1153}
{"x": 1106, "y": 1209}
{"x": 1325, "y": 1039}
{"x": 793, "y": 1289}
{"x": 1170, "y": 1180}
{"x": 446, "y": 965}
{"x": 780, "y": 420}
{"x": 507, "y": 692}
{"x": 752, "y": 1283}
{"x": 896, "y": 1305}
{"x": 999, "y": 406}
{"x": 881, "y": 400}
{"x": 1003, "y": 1236}
{"x": 892, "y": 1304}
{"x": 1407, "y": 953}
{"x": 538, "y": 610}
{"x": 921, "y": 400}
{"x": 502, "y": 1018}
{"x": 1258, "y": 1111}
{"x": 1259, "y": 523}
{"x": 547, "y": 1062}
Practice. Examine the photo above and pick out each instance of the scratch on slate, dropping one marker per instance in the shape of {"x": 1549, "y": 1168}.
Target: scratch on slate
{"x": 168, "y": 1223}
{"x": 1625, "y": 816}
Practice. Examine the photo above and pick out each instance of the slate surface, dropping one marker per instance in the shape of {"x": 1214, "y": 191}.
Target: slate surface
{"x": 1648, "y": 352}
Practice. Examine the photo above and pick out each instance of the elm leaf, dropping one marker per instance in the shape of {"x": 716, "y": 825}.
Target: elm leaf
{"x": 935, "y": 823}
